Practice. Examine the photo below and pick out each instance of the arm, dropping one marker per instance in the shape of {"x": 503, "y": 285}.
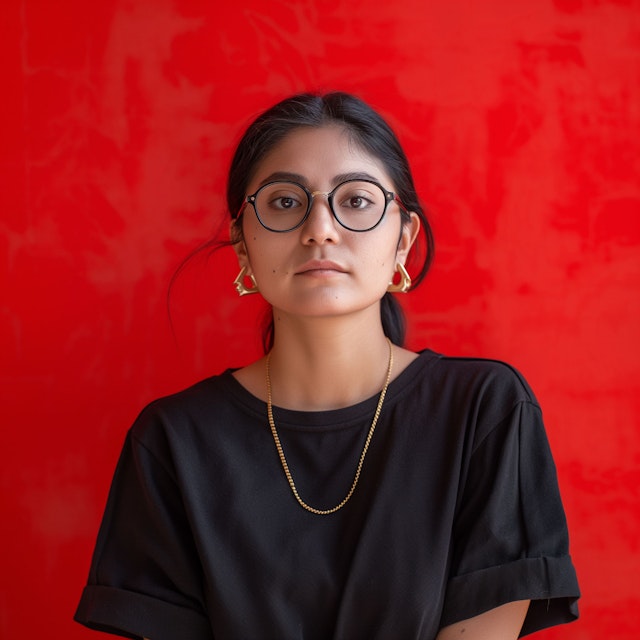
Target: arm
{"x": 501, "y": 623}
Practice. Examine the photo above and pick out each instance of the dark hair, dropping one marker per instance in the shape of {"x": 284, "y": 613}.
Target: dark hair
{"x": 370, "y": 131}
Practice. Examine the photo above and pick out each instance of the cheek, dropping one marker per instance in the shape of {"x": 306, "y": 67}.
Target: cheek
{"x": 376, "y": 266}
{"x": 266, "y": 257}
{"x": 380, "y": 254}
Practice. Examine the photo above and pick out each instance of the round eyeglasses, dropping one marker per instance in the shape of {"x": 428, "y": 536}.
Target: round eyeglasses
{"x": 358, "y": 205}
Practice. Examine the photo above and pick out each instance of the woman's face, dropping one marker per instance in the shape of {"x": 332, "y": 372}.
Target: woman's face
{"x": 321, "y": 268}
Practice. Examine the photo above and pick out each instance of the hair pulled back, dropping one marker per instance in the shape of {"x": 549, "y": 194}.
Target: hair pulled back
{"x": 372, "y": 134}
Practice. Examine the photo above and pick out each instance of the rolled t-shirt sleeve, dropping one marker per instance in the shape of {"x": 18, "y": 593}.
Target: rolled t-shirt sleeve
{"x": 145, "y": 578}
{"x": 510, "y": 540}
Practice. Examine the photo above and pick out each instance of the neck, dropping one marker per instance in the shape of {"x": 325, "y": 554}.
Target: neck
{"x": 327, "y": 363}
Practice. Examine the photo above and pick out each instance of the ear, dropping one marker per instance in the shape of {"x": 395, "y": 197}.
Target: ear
{"x": 239, "y": 247}
{"x": 408, "y": 236}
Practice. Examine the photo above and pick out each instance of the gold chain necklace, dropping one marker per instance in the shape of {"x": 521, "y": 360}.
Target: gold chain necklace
{"x": 283, "y": 460}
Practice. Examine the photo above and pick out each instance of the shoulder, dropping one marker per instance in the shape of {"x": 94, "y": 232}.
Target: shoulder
{"x": 187, "y": 416}
{"x": 192, "y": 399}
{"x": 478, "y": 391}
{"x": 483, "y": 375}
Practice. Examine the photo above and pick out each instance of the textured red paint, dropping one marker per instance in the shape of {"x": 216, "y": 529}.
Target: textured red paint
{"x": 118, "y": 119}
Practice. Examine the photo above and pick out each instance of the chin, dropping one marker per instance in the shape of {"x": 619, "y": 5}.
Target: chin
{"x": 327, "y": 306}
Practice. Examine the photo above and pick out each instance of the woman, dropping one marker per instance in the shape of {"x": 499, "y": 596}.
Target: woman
{"x": 342, "y": 486}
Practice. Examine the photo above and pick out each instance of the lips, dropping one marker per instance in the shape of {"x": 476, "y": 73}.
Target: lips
{"x": 320, "y": 266}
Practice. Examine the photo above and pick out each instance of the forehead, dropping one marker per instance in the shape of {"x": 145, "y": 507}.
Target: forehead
{"x": 319, "y": 154}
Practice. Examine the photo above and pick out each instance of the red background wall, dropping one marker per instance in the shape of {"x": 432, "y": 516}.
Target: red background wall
{"x": 118, "y": 119}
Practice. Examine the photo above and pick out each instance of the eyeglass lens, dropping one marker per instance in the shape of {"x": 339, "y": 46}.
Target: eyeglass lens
{"x": 357, "y": 205}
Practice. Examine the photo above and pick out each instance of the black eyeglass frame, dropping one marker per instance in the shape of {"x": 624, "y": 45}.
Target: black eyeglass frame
{"x": 389, "y": 196}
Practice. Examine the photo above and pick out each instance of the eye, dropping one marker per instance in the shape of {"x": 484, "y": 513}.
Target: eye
{"x": 284, "y": 202}
{"x": 356, "y": 201}
{"x": 280, "y": 198}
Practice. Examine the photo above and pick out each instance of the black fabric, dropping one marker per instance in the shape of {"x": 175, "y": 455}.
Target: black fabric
{"x": 457, "y": 511}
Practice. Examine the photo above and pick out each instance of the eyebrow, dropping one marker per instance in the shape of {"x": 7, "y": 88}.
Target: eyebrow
{"x": 338, "y": 179}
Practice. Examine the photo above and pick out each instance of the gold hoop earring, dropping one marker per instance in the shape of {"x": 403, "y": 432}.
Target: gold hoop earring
{"x": 241, "y": 287}
{"x": 405, "y": 281}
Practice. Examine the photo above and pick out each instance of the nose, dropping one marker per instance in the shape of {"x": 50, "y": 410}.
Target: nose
{"x": 320, "y": 226}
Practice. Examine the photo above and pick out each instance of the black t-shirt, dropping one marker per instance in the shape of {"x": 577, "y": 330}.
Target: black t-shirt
{"x": 457, "y": 511}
